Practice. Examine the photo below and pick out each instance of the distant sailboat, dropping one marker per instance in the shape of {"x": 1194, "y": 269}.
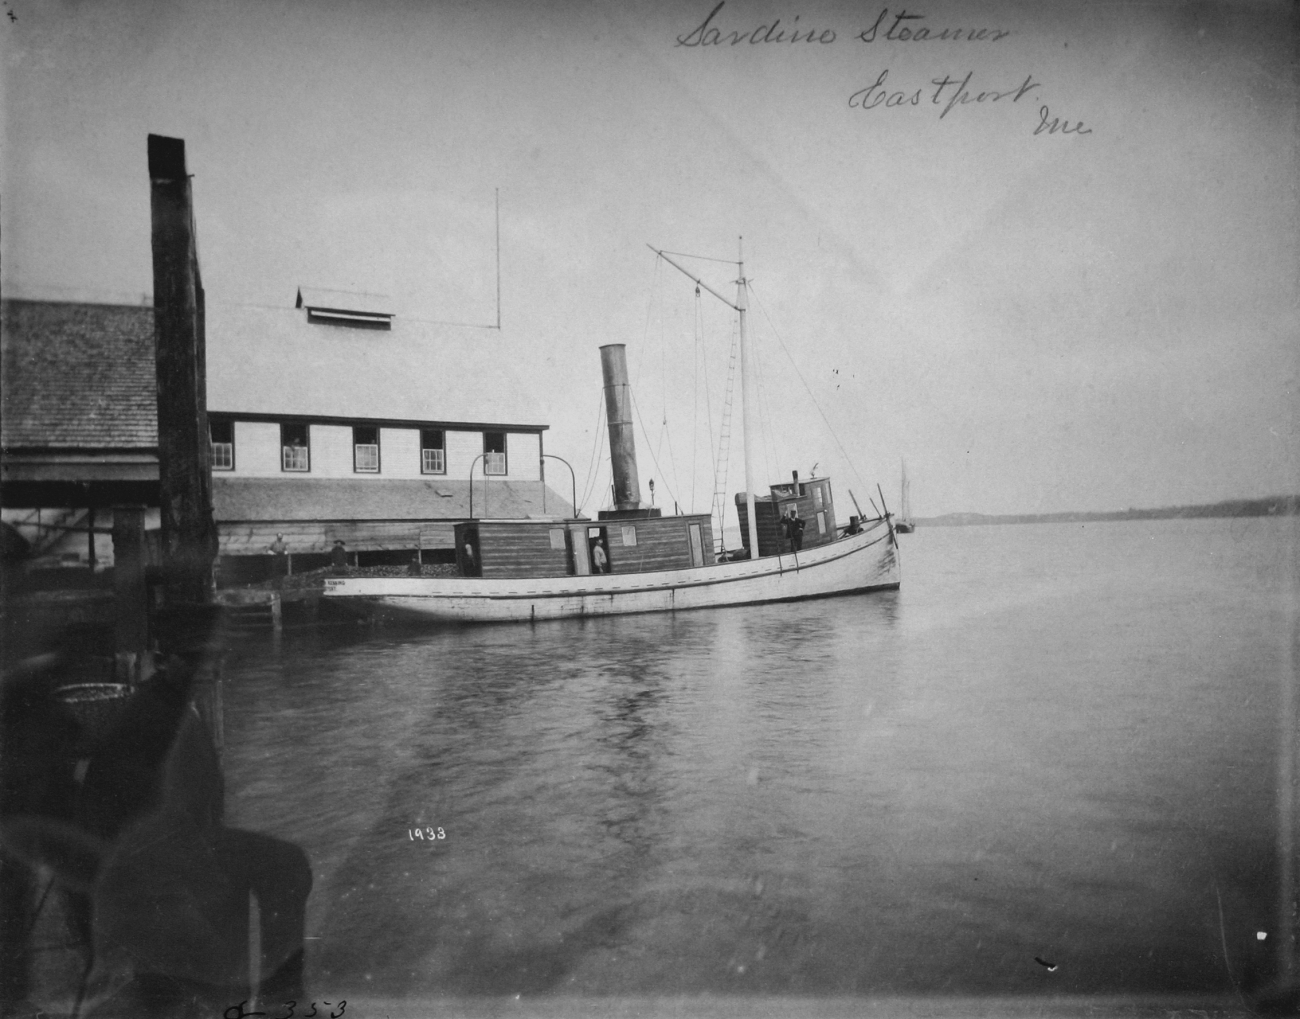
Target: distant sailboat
{"x": 904, "y": 524}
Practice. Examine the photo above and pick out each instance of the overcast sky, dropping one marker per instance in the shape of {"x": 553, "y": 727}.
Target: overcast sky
{"x": 1035, "y": 320}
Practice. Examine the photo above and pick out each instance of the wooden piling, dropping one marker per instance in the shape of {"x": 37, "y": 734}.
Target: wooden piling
{"x": 131, "y": 625}
{"x": 187, "y": 623}
{"x": 189, "y": 533}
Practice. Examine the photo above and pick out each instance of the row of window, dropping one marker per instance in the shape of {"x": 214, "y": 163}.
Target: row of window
{"x": 295, "y": 449}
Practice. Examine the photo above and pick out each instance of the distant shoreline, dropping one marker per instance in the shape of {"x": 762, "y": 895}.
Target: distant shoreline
{"x": 1270, "y": 506}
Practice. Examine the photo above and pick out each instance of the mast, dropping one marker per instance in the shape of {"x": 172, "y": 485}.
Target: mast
{"x": 748, "y": 407}
{"x": 748, "y": 402}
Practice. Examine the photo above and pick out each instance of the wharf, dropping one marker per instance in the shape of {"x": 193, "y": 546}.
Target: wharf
{"x": 295, "y": 599}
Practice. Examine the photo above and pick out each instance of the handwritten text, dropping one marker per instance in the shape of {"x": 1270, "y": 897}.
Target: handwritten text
{"x": 900, "y": 27}
{"x": 948, "y": 93}
{"x": 241, "y": 1011}
{"x": 419, "y": 833}
{"x": 1058, "y": 125}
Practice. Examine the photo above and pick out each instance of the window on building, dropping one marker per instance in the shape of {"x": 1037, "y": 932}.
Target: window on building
{"x": 222, "y": 436}
{"x": 494, "y": 452}
{"x": 295, "y": 448}
{"x": 433, "y": 451}
{"x": 629, "y": 534}
{"x": 365, "y": 449}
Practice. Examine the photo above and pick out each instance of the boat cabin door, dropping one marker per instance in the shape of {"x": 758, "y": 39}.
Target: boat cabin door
{"x": 598, "y": 547}
{"x": 469, "y": 554}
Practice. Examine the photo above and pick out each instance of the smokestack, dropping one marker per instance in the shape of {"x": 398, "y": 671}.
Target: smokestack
{"x": 618, "y": 408}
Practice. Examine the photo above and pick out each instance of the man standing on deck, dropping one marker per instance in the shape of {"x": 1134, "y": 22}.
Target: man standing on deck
{"x": 280, "y": 564}
{"x": 793, "y": 527}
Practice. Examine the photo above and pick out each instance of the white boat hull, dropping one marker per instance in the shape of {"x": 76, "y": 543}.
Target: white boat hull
{"x": 858, "y": 563}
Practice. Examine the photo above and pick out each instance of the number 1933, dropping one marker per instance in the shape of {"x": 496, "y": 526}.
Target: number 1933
{"x": 425, "y": 834}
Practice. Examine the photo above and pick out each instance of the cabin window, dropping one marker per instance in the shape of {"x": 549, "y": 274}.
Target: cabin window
{"x": 494, "y": 452}
{"x": 433, "y": 451}
{"x": 821, "y": 523}
{"x": 557, "y": 539}
{"x": 295, "y": 448}
{"x": 365, "y": 449}
{"x": 222, "y": 436}
{"x": 629, "y": 534}
{"x": 817, "y": 496}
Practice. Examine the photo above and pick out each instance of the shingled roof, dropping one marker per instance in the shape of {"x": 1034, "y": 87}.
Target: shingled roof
{"x": 77, "y": 376}
{"x": 81, "y": 376}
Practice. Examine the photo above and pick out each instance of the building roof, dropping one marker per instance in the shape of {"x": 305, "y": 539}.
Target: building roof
{"x": 273, "y": 361}
{"x": 77, "y": 376}
{"x": 81, "y": 376}
{"x": 261, "y": 499}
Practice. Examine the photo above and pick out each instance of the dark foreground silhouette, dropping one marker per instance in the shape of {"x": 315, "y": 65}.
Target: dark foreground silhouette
{"x": 156, "y": 886}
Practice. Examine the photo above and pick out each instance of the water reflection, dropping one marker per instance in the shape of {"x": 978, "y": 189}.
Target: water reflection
{"x": 918, "y": 791}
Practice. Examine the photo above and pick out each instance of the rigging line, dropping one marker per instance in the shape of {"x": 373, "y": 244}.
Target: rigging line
{"x": 843, "y": 451}
{"x": 602, "y": 455}
{"x": 591, "y": 461}
{"x": 656, "y": 296}
{"x": 637, "y": 408}
{"x": 664, "y": 432}
{"x": 708, "y": 406}
{"x": 724, "y": 430}
{"x": 683, "y": 254}
{"x": 695, "y": 398}
{"x": 764, "y": 414}
{"x": 672, "y": 457}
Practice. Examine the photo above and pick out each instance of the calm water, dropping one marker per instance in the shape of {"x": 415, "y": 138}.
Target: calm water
{"x": 1056, "y": 741}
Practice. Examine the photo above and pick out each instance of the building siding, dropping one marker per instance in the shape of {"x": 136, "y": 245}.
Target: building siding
{"x": 523, "y": 452}
{"x": 399, "y": 453}
{"x": 331, "y": 452}
{"x": 257, "y": 450}
{"x": 462, "y": 448}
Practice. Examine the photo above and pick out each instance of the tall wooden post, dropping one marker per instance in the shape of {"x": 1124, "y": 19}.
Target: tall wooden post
{"x": 184, "y": 472}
